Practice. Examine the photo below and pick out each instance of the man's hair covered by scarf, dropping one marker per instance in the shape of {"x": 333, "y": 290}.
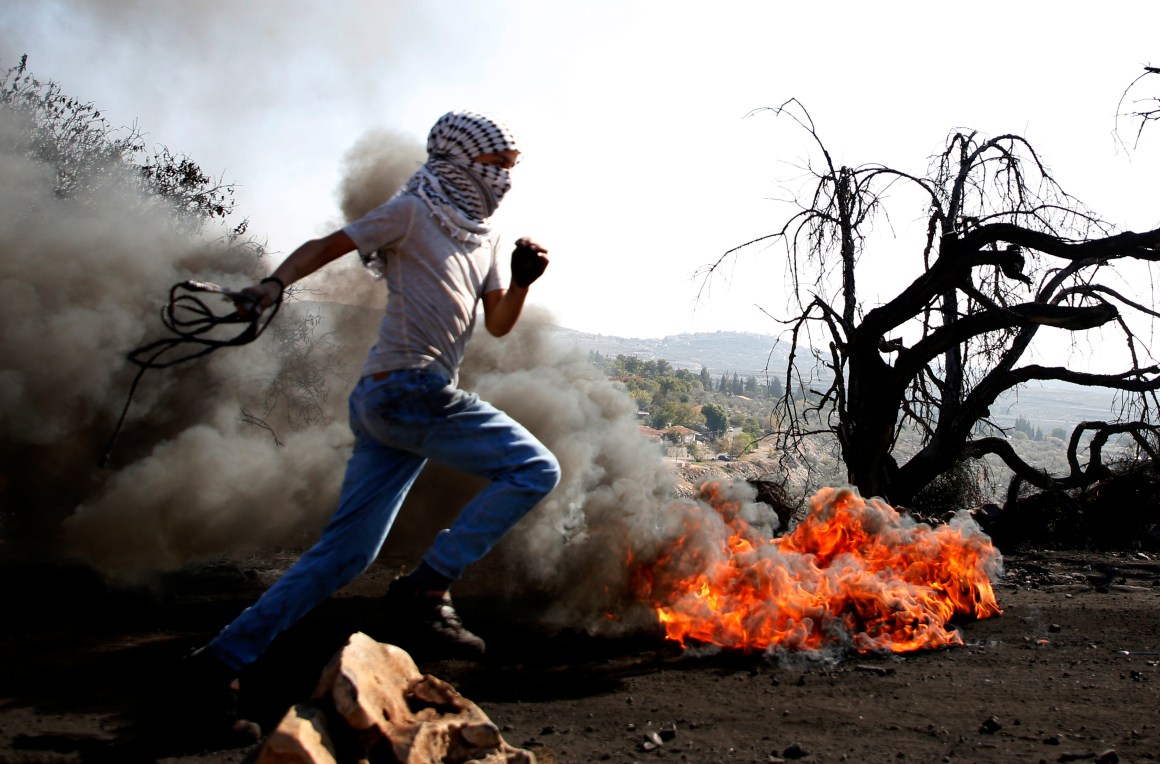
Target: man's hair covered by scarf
{"x": 460, "y": 193}
{"x": 465, "y": 135}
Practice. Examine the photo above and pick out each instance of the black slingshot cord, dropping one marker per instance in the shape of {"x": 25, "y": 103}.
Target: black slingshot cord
{"x": 190, "y": 320}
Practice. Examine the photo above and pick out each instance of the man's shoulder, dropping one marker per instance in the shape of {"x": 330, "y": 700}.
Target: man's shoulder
{"x": 385, "y": 225}
{"x": 400, "y": 204}
{"x": 406, "y": 200}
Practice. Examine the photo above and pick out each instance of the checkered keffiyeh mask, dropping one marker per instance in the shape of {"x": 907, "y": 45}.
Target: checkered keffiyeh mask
{"x": 455, "y": 187}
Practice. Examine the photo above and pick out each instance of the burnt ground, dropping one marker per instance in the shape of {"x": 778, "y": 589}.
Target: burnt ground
{"x": 1068, "y": 673}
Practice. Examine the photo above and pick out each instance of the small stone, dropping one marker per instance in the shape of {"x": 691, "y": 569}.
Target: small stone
{"x": 652, "y": 741}
{"x": 991, "y": 725}
{"x": 879, "y": 670}
{"x": 1108, "y": 757}
{"x": 795, "y": 751}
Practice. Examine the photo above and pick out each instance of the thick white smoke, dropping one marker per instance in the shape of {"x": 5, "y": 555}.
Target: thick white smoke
{"x": 81, "y": 282}
{"x": 616, "y": 508}
{"x": 217, "y": 483}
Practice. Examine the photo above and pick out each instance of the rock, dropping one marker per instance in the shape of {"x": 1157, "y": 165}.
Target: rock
{"x": 368, "y": 682}
{"x": 879, "y": 670}
{"x": 795, "y": 751}
{"x": 300, "y": 738}
{"x": 379, "y": 698}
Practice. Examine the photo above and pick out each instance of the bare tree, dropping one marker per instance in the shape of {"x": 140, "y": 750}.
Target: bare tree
{"x": 1144, "y": 110}
{"x": 1007, "y": 252}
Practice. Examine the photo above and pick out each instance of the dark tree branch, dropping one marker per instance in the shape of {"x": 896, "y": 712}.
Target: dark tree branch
{"x": 1134, "y": 380}
{"x": 1001, "y": 448}
{"x": 1080, "y": 475}
{"x": 1140, "y": 246}
{"x": 1071, "y": 318}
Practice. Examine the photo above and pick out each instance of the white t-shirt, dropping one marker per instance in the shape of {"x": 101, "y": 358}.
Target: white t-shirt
{"x": 434, "y": 284}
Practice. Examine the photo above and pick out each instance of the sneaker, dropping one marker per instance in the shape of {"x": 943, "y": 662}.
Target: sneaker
{"x": 428, "y": 621}
{"x": 208, "y": 696}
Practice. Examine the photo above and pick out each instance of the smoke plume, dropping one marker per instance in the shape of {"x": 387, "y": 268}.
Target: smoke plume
{"x": 81, "y": 282}
{"x": 616, "y": 504}
{"x": 215, "y": 483}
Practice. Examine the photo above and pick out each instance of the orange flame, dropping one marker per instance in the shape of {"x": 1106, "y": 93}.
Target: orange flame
{"x": 854, "y": 574}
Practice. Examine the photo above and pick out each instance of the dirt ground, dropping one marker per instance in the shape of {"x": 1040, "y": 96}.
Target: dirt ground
{"x": 1068, "y": 673}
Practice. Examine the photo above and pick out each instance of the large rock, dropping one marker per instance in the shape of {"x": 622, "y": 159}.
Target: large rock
{"x": 300, "y": 738}
{"x": 372, "y": 695}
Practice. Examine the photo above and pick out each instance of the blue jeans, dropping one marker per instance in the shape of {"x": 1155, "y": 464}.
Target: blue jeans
{"x": 399, "y": 423}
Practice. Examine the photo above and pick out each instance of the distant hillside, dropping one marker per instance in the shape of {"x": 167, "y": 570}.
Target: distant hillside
{"x": 741, "y": 352}
{"x": 1047, "y": 405}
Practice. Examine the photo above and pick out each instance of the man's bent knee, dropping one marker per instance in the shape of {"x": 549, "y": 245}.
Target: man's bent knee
{"x": 540, "y": 475}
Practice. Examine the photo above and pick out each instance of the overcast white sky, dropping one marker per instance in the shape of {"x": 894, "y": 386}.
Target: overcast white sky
{"x": 640, "y": 164}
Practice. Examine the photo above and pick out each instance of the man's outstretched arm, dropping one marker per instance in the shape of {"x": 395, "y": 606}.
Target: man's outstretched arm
{"x": 303, "y": 261}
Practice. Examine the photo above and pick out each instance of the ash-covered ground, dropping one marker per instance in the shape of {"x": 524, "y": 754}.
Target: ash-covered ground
{"x": 1069, "y": 672}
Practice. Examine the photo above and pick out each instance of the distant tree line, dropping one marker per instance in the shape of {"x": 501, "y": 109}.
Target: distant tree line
{"x": 702, "y": 402}
{"x": 667, "y": 394}
{"x": 1034, "y": 432}
{"x": 729, "y": 383}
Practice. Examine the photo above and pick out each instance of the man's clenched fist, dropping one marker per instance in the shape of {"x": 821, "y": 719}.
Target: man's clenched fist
{"x": 528, "y": 262}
